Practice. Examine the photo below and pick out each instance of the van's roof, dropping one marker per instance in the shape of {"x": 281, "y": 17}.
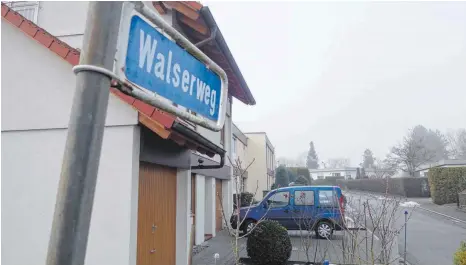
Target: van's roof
{"x": 312, "y": 186}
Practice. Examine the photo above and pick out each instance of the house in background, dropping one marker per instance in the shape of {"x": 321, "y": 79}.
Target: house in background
{"x": 322, "y": 173}
{"x": 239, "y": 148}
{"x": 349, "y": 172}
{"x": 423, "y": 170}
{"x": 261, "y": 173}
{"x": 148, "y": 184}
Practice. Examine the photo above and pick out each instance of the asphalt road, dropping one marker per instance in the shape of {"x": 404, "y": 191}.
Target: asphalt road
{"x": 431, "y": 238}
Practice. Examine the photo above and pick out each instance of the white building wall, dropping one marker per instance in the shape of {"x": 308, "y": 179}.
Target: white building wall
{"x": 257, "y": 173}
{"x": 67, "y": 19}
{"x": 31, "y": 165}
{"x": 200, "y": 208}
{"x": 210, "y": 199}
{"x": 183, "y": 216}
{"x": 38, "y": 87}
{"x": 37, "y": 91}
{"x": 64, "y": 19}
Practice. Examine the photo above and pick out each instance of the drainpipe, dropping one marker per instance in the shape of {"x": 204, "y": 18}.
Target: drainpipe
{"x": 190, "y": 134}
{"x": 209, "y": 39}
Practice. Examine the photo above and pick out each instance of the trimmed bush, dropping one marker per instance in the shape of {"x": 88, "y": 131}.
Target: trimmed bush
{"x": 246, "y": 198}
{"x": 460, "y": 255}
{"x": 409, "y": 187}
{"x": 446, "y": 183}
{"x": 269, "y": 244}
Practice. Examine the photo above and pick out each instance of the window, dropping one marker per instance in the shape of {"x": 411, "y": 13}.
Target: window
{"x": 279, "y": 199}
{"x": 28, "y": 9}
{"x": 336, "y": 174}
{"x": 304, "y": 197}
{"x": 327, "y": 198}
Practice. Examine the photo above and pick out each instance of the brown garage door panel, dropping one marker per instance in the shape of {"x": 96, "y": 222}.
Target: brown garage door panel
{"x": 156, "y": 215}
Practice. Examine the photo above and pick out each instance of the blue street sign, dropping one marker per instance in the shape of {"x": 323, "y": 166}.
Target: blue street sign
{"x": 158, "y": 64}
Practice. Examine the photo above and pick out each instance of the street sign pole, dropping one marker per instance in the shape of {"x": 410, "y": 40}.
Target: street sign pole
{"x": 75, "y": 197}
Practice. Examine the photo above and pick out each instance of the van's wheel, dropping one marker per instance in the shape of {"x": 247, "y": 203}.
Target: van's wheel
{"x": 248, "y": 225}
{"x": 324, "y": 230}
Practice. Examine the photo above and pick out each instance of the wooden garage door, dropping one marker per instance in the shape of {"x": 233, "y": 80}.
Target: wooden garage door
{"x": 218, "y": 196}
{"x": 156, "y": 215}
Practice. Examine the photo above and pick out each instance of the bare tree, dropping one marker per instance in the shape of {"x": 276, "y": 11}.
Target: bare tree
{"x": 236, "y": 232}
{"x": 381, "y": 169}
{"x": 457, "y": 143}
{"x": 412, "y": 153}
{"x": 370, "y": 234}
{"x": 379, "y": 216}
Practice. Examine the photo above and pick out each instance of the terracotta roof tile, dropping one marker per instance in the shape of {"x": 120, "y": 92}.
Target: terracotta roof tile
{"x": 29, "y": 28}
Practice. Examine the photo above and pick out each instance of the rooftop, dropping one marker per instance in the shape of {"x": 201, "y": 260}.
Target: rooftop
{"x": 442, "y": 163}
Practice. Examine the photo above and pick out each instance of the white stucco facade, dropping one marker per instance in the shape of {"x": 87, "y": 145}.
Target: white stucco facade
{"x": 37, "y": 92}
{"x": 261, "y": 171}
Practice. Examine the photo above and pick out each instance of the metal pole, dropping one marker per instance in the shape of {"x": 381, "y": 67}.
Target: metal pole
{"x": 75, "y": 197}
{"x": 406, "y": 239}
{"x": 365, "y": 231}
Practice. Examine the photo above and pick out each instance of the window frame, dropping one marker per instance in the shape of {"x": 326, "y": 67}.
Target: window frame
{"x": 335, "y": 199}
{"x": 304, "y": 204}
{"x": 270, "y": 205}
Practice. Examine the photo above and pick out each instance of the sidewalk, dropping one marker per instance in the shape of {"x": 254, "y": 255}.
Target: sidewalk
{"x": 447, "y": 209}
{"x": 221, "y": 244}
{"x": 320, "y": 249}
{"x": 425, "y": 204}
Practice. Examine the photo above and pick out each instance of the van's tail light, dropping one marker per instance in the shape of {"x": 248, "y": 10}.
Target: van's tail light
{"x": 342, "y": 204}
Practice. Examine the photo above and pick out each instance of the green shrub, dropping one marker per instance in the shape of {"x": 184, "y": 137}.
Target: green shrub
{"x": 446, "y": 183}
{"x": 269, "y": 244}
{"x": 460, "y": 255}
{"x": 246, "y": 198}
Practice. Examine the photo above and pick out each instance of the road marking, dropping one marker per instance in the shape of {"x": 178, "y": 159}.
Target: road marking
{"x": 444, "y": 215}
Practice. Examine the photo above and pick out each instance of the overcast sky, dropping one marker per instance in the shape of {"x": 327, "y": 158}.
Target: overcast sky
{"x": 347, "y": 76}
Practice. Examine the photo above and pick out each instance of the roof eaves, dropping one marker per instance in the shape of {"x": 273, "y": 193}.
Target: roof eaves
{"x": 209, "y": 19}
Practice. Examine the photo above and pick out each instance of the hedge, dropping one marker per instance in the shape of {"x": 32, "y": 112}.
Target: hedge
{"x": 446, "y": 183}
{"x": 409, "y": 187}
{"x": 328, "y": 181}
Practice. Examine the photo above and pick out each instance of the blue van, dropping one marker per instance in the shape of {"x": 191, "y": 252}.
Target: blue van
{"x": 313, "y": 208}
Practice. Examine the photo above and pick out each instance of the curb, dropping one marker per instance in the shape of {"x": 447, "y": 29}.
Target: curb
{"x": 441, "y": 214}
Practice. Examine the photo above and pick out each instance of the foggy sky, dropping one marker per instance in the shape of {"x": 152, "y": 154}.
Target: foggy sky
{"x": 347, "y": 76}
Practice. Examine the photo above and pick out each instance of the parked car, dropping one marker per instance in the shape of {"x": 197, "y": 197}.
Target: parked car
{"x": 314, "y": 208}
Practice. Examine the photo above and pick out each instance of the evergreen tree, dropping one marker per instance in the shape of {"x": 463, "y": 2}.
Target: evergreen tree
{"x": 281, "y": 177}
{"x": 312, "y": 161}
{"x": 368, "y": 159}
